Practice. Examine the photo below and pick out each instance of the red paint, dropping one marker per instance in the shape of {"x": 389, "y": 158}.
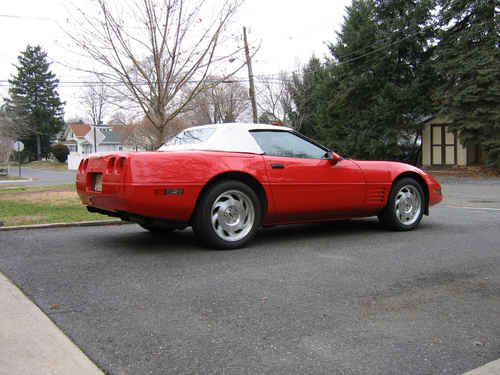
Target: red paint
{"x": 297, "y": 190}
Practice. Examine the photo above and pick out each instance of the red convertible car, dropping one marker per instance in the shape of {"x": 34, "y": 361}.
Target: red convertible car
{"x": 227, "y": 180}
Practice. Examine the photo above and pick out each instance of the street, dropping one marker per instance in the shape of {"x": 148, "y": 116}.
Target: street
{"x": 40, "y": 177}
{"x": 326, "y": 298}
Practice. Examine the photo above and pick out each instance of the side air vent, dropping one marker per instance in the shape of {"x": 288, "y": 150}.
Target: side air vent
{"x": 375, "y": 195}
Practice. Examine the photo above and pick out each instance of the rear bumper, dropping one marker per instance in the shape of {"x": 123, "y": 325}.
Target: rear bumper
{"x": 130, "y": 202}
{"x": 145, "y": 220}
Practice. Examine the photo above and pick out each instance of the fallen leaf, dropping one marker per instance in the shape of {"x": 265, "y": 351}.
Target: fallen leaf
{"x": 55, "y": 306}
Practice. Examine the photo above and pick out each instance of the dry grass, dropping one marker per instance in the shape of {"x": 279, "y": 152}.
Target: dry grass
{"x": 472, "y": 172}
{"x": 56, "y": 198}
{"x": 42, "y": 205}
{"x": 25, "y": 219}
{"x": 47, "y": 164}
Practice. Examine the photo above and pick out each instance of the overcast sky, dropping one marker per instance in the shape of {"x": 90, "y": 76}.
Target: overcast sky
{"x": 290, "y": 32}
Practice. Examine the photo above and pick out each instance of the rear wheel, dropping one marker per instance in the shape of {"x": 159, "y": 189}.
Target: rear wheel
{"x": 227, "y": 215}
{"x": 405, "y": 206}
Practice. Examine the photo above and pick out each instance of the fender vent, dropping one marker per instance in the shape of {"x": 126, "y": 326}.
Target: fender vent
{"x": 375, "y": 195}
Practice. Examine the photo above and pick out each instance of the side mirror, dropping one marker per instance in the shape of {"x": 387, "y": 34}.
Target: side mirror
{"x": 333, "y": 157}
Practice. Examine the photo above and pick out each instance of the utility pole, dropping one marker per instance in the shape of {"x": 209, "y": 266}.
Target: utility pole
{"x": 95, "y": 140}
{"x": 251, "y": 91}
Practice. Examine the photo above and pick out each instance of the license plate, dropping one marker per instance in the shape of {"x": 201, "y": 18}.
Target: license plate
{"x": 98, "y": 182}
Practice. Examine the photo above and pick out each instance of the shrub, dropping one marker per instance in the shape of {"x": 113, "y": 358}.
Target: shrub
{"x": 60, "y": 152}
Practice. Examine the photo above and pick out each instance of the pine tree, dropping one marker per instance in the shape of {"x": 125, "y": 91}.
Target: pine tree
{"x": 381, "y": 62}
{"x": 306, "y": 94}
{"x": 469, "y": 66}
{"x": 34, "y": 102}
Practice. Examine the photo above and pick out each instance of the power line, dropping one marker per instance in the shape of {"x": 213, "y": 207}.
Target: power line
{"x": 39, "y": 18}
{"x": 265, "y": 78}
{"x": 5, "y": 82}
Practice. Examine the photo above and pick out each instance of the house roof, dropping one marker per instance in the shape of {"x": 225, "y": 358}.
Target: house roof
{"x": 80, "y": 130}
{"x": 113, "y": 136}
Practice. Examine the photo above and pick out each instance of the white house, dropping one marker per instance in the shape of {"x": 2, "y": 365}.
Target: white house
{"x": 83, "y": 139}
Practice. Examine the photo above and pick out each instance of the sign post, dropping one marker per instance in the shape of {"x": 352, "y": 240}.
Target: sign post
{"x": 18, "y": 146}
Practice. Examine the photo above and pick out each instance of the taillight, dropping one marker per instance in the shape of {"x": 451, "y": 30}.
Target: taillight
{"x": 83, "y": 165}
{"x": 110, "y": 166}
{"x": 120, "y": 165}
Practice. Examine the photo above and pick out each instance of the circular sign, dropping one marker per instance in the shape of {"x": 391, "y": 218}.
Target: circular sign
{"x": 18, "y": 146}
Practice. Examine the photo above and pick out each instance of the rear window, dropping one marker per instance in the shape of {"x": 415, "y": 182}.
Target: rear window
{"x": 191, "y": 136}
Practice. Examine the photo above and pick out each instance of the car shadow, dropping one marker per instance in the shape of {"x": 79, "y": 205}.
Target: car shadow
{"x": 144, "y": 242}
{"x": 138, "y": 240}
{"x": 314, "y": 231}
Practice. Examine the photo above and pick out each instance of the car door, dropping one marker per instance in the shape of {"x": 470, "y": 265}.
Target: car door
{"x": 304, "y": 184}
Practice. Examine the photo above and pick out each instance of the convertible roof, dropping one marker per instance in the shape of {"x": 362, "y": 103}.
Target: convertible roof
{"x": 232, "y": 137}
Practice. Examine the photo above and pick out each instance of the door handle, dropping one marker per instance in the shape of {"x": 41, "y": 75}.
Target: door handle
{"x": 277, "y": 166}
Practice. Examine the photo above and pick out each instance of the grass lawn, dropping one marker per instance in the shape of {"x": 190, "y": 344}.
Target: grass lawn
{"x": 43, "y": 205}
{"x": 47, "y": 164}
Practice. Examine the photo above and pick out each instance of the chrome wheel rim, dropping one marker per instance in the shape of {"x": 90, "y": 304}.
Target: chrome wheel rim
{"x": 233, "y": 215}
{"x": 408, "y": 205}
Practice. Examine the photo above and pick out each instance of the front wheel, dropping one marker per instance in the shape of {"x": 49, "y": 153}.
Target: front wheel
{"x": 227, "y": 215}
{"x": 405, "y": 206}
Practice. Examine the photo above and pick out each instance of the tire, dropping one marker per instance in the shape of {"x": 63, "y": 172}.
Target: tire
{"x": 227, "y": 215}
{"x": 405, "y": 206}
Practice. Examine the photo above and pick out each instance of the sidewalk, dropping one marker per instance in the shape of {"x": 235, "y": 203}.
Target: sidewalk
{"x": 492, "y": 368}
{"x": 30, "y": 343}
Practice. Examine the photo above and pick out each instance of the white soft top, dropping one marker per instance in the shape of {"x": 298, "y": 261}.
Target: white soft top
{"x": 232, "y": 137}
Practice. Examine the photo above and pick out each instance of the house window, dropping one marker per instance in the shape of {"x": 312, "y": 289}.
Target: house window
{"x": 87, "y": 149}
{"x": 72, "y": 148}
{"x": 443, "y": 146}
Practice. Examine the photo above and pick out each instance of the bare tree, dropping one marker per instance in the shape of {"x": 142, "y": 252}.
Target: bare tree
{"x": 222, "y": 103}
{"x": 96, "y": 101}
{"x": 142, "y": 134}
{"x": 275, "y": 100}
{"x": 121, "y": 118}
{"x": 8, "y": 133}
{"x": 152, "y": 50}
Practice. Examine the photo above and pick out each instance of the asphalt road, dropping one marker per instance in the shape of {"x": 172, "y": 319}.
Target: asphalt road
{"x": 41, "y": 177}
{"x": 346, "y": 298}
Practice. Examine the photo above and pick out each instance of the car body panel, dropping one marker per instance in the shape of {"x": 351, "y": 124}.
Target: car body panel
{"x": 314, "y": 188}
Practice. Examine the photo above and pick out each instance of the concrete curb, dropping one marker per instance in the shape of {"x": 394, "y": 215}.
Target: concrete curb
{"x": 13, "y": 182}
{"x": 30, "y": 343}
{"x": 492, "y": 368}
{"x": 66, "y": 225}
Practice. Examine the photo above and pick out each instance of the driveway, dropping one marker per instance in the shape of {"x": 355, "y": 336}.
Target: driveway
{"x": 347, "y": 298}
{"x": 41, "y": 177}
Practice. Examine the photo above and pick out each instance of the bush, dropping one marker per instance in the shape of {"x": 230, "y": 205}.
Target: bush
{"x": 60, "y": 152}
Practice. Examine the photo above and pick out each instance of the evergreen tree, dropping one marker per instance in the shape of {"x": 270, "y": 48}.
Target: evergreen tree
{"x": 469, "y": 66}
{"x": 381, "y": 62}
{"x": 34, "y": 101}
{"x": 306, "y": 93}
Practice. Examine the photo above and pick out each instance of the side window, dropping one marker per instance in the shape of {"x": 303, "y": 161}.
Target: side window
{"x": 283, "y": 143}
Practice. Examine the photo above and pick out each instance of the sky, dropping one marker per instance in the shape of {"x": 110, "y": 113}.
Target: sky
{"x": 289, "y": 32}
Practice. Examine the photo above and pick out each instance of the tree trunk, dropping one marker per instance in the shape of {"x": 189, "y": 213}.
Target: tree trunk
{"x": 38, "y": 147}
